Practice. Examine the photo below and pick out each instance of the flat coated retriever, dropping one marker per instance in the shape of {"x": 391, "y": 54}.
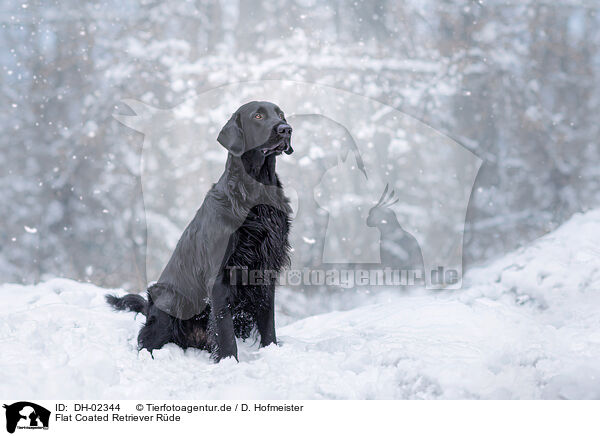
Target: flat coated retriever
{"x": 243, "y": 224}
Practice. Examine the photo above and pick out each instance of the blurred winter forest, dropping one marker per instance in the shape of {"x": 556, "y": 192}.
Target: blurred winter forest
{"x": 515, "y": 82}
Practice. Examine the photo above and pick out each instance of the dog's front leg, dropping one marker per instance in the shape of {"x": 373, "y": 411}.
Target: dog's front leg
{"x": 265, "y": 320}
{"x": 223, "y": 336}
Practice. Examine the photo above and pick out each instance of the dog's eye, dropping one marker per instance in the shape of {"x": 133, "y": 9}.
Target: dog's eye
{"x": 258, "y": 116}
{"x": 281, "y": 116}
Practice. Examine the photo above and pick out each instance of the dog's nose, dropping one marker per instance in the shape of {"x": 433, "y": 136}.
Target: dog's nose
{"x": 284, "y": 130}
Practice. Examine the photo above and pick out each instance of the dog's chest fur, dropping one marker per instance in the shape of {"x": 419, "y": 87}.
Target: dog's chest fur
{"x": 261, "y": 243}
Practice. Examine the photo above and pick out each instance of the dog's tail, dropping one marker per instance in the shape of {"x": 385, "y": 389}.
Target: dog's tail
{"x": 132, "y": 302}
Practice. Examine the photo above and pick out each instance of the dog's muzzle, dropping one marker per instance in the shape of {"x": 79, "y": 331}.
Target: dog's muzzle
{"x": 284, "y": 133}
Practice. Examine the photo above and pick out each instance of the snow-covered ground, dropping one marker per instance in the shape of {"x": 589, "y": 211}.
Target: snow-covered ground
{"x": 524, "y": 326}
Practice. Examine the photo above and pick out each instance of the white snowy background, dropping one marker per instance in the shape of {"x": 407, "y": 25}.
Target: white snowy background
{"x": 516, "y": 83}
{"x": 526, "y": 326}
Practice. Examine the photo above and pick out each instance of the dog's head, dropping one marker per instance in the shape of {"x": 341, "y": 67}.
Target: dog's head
{"x": 258, "y": 125}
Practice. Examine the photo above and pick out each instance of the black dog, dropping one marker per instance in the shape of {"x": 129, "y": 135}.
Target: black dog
{"x": 201, "y": 298}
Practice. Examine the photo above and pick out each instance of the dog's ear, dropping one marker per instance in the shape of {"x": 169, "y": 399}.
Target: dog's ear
{"x": 232, "y": 136}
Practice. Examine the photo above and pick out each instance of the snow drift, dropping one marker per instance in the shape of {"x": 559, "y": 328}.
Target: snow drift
{"x": 525, "y": 326}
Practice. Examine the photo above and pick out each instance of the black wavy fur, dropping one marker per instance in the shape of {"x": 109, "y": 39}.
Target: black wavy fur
{"x": 131, "y": 302}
